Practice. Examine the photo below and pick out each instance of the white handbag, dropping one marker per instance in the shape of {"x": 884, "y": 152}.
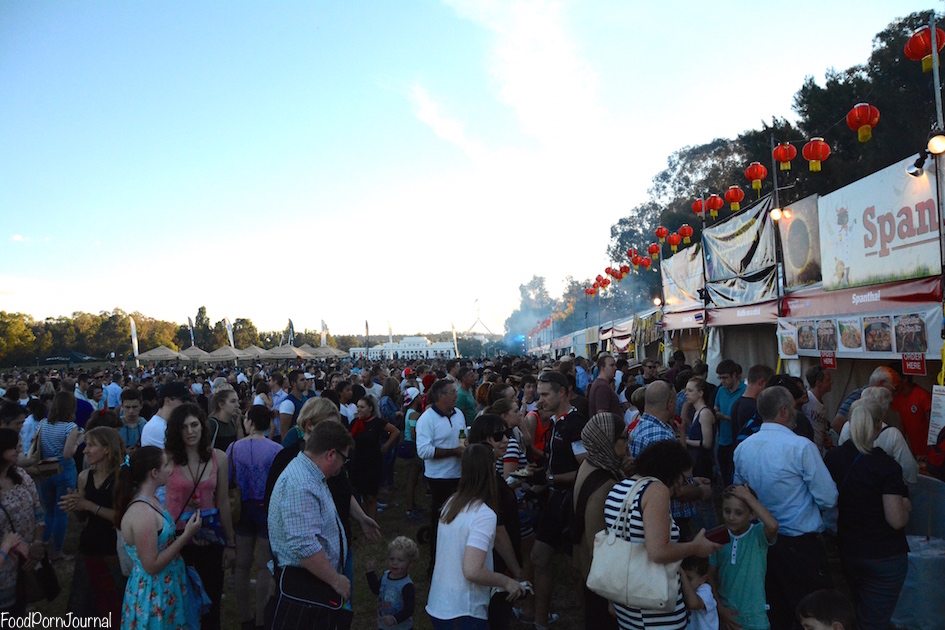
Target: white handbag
{"x": 621, "y": 570}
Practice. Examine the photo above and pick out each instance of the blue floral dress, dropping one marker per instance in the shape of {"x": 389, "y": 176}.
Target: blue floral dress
{"x": 156, "y": 601}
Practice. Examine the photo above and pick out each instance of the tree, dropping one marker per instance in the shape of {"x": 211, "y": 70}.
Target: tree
{"x": 244, "y": 332}
{"x": 16, "y": 338}
{"x": 203, "y": 336}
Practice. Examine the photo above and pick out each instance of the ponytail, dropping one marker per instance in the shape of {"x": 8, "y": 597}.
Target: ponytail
{"x": 132, "y": 474}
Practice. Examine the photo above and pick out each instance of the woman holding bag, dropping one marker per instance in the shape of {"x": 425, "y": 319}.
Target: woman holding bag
{"x": 199, "y": 482}
{"x": 58, "y": 438}
{"x": 662, "y": 468}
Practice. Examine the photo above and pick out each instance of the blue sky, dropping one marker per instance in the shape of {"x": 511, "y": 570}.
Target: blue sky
{"x": 393, "y": 161}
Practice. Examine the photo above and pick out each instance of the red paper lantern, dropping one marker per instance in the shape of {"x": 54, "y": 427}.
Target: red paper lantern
{"x": 636, "y": 261}
{"x": 654, "y": 250}
{"x": 755, "y": 173}
{"x": 815, "y": 152}
{"x": 685, "y": 231}
{"x": 784, "y": 153}
{"x": 632, "y": 252}
{"x": 697, "y": 207}
{"x": 590, "y": 291}
{"x": 714, "y": 203}
{"x": 599, "y": 277}
{"x": 646, "y": 262}
{"x": 661, "y": 233}
{"x": 609, "y": 271}
{"x": 919, "y": 46}
{"x": 605, "y": 282}
{"x": 674, "y": 241}
{"x": 861, "y": 119}
{"x": 624, "y": 269}
{"x": 596, "y": 285}
{"x": 734, "y": 196}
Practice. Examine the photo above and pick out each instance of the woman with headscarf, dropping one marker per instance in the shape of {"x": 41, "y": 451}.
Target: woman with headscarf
{"x": 605, "y": 438}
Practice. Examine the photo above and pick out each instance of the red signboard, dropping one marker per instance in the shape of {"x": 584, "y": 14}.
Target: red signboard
{"x": 828, "y": 360}
{"x": 913, "y": 363}
{"x": 896, "y": 295}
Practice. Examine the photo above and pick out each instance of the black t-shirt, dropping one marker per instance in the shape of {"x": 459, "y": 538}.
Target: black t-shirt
{"x": 507, "y": 515}
{"x": 742, "y": 411}
{"x": 863, "y": 480}
{"x": 560, "y": 445}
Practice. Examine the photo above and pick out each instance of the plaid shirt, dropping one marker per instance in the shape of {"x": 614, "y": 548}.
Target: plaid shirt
{"x": 650, "y": 430}
{"x": 302, "y": 517}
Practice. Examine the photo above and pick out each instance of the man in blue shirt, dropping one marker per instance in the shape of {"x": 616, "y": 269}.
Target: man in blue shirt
{"x": 730, "y": 389}
{"x": 791, "y": 480}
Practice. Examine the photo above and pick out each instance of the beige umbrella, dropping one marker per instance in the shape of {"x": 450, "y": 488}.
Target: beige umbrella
{"x": 308, "y": 348}
{"x": 161, "y": 353}
{"x": 286, "y": 352}
{"x": 253, "y": 351}
{"x": 225, "y": 353}
{"x": 194, "y": 353}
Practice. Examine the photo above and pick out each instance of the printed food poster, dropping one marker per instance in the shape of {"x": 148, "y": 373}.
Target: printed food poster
{"x": 787, "y": 340}
{"x": 827, "y": 335}
{"x": 877, "y": 333}
{"x": 806, "y": 335}
{"x": 851, "y": 340}
{"x": 910, "y": 333}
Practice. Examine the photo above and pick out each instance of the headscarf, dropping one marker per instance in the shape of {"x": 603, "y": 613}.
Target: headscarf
{"x": 599, "y": 436}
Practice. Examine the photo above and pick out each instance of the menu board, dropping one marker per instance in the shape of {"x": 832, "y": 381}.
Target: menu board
{"x": 827, "y": 335}
{"x": 877, "y": 333}
{"x": 807, "y": 335}
{"x": 787, "y": 340}
{"x": 910, "y": 333}
{"x": 851, "y": 339}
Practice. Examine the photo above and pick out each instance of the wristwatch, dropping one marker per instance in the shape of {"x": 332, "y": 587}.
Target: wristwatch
{"x": 551, "y": 478}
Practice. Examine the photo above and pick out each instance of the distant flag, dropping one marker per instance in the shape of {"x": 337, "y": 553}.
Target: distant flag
{"x": 455, "y": 345}
{"x": 367, "y": 339}
{"x": 324, "y": 334}
{"x": 390, "y": 336}
{"x": 190, "y": 324}
{"x": 324, "y": 326}
{"x": 229, "y": 331}
{"x": 281, "y": 338}
{"x": 291, "y": 333}
{"x": 134, "y": 338}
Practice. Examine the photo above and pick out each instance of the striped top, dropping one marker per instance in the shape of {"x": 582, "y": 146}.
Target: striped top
{"x": 54, "y": 436}
{"x": 634, "y": 618}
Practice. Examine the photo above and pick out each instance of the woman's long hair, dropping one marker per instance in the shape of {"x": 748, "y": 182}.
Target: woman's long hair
{"x": 111, "y": 440}
{"x": 130, "y": 477}
{"x": 10, "y": 438}
{"x": 62, "y": 408}
{"x": 666, "y": 460}
{"x": 476, "y": 483}
{"x": 174, "y": 441}
{"x": 865, "y": 416}
{"x": 391, "y": 390}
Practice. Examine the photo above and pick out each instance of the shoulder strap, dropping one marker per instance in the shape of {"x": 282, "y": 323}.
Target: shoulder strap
{"x": 196, "y": 483}
{"x": 148, "y": 503}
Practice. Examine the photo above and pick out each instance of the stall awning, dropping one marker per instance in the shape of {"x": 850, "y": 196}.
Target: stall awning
{"x": 819, "y": 303}
{"x": 764, "y": 313}
{"x": 686, "y": 319}
{"x": 619, "y": 330}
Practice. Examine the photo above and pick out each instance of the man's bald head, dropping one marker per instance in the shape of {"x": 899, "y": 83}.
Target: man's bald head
{"x": 659, "y": 394}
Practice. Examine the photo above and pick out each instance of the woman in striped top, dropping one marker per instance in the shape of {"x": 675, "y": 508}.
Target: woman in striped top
{"x": 59, "y": 437}
{"x": 652, "y": 524}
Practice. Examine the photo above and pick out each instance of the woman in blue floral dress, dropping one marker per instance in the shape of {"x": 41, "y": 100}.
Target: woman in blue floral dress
{"x": 156, "y": 592}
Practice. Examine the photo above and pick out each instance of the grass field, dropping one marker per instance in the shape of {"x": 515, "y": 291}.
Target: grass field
{"x": 566, "y": 601}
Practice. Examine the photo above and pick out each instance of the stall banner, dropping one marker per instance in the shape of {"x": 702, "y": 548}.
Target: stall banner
{"x": 937, "y": 420}
{"x": 647, "y": 327}
{"x": 682, "y": 321}
{"x": 881, "y": 228}
{"x": 752, "y": 289}
{"x": 683, "y": 275}
{"x": 742, "y": 245}
{"x": 800, "y": 243}
{"x": 888, "y": 335}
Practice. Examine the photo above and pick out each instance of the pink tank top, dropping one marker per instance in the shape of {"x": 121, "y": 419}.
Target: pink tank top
{"x": 181, "y": 496}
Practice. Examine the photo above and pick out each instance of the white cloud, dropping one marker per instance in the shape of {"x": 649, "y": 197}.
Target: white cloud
{"x": 449, "y": 129}
{"x": 19, "y": 238}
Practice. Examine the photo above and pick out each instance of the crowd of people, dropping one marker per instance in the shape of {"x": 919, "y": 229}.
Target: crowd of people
{"x": 177, "y": 475}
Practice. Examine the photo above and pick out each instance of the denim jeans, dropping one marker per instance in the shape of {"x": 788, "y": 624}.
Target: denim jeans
{"x": 460, "y": 623}
{"x": 876, "y": 584}
{"x": 51, "y": 489}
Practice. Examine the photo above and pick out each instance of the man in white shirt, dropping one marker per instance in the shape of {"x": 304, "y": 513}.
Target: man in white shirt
{"x": 171, "y": 396}
{"x": 370, "y": 385}
{"x": 438, "y": 445}
{"x": 82, "y": 386}
{"x": 820, "y": 382}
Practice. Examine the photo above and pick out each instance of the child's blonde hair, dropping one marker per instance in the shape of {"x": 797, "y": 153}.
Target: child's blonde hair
{"x": 729, "y": 493}
{"x": 405, "y": 546}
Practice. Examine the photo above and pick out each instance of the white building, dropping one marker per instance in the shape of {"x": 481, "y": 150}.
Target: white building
{"x": 408, "y": 348}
